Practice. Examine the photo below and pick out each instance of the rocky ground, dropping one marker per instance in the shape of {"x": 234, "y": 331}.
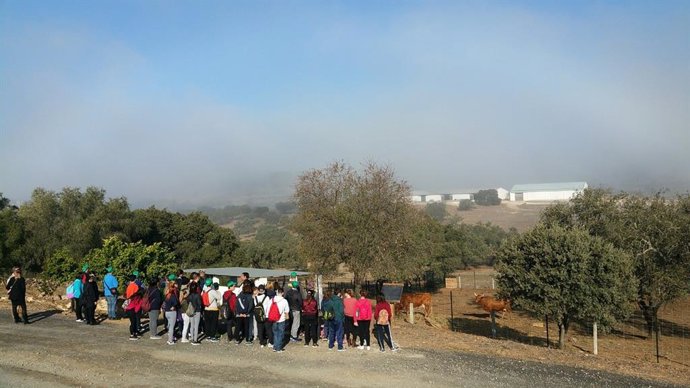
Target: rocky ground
{"x": 54, "y": 350}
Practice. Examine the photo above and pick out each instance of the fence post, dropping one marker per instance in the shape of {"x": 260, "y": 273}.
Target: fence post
{"x": 411, "y": 313}
{"x": 493, "y": 283}
{"x": 459, "y": 282}
{"x": 594, "y": 334}
{"x": 475, "y": 280}
{"x": 546, "y": 317}
{"x": 452, "y": 318}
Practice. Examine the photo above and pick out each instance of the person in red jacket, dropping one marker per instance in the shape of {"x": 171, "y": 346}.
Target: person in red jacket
{"x": 229, "y": 302}
{"x": 133, "y": 309}
{"x": 363, "y": 320}
{"x": 310, "y": 317}
{"x": 382, "y": 325}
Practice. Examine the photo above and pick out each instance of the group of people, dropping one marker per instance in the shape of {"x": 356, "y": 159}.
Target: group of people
{"x": 194, "y": 308}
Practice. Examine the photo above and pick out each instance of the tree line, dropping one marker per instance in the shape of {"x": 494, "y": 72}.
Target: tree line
{"x": 55, "y": 228}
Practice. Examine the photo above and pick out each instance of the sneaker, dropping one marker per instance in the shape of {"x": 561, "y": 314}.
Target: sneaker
{"x": 270, "y": 345}
{"x": 263, "y": 346}
{"x": 330, "y": 348}
{"x": 171, "y": 343}
{"x": 154, "y": 337}
{"x": 78, "y": 320}
{"x": 360, "y": 347}
{"x": 133, "y": 338}
{"x": 315, "y": 346}
{"x": 368, "y": 347}
{"x": 395, "y": 349}
{"x": 184, "y": 340}
{"x": 382, "y": 350}
{"x": 341, "y": 350}
{"x": 196, "y": 343}
{"x": 250, "y": 343}
{"x": 306, "y": 345}
{"x": 238, "y": 342}
{"x": 280, "y": 351}
{"x": 294, "y": 339}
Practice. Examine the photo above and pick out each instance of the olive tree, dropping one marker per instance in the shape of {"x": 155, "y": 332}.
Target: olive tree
{"x": 566, "y": 274}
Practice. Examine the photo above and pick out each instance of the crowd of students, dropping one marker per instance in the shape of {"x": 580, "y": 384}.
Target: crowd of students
{"x": 193, "y": 309}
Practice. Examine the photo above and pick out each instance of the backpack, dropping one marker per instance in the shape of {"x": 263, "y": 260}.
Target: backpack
{"x": 145, "y": 304}
{"x": 204, "y": 299}
{"x": 228, "y": 308}
{"x": 310, "y": 307}
{"x": 383, "y": 318}
{"x": 328, "y": 312}
{"x": 273, "y": 312}
{"x": 259, "y": 312}
{"x": 69, "y": 292}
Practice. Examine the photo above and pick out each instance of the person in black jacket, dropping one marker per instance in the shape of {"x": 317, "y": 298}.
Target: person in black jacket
{"x": 16, "y": 288}
{"x": 91, "y": 299}
{"x": 243, "y": 309}
{"x": 155, "y": 297}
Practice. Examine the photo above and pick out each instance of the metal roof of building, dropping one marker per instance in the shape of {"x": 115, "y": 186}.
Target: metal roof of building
{"x": 253, "y": 272}
{"x": 560, "y": 186}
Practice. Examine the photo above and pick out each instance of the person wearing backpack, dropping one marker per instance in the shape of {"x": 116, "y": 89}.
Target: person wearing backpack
{"x": 244, "y": 307}
{"x": 262, "y": 303}
{"x": 336, "y": 316}
{"x": 382, "y": 319}
{"x": 278, "y": 314}
{"x": 363, "y": 320}
{"x": 91, "y": 299}
{"x": 16, "y": 290}
{"x": 215, "y": 301}
{"x": 172, "y": 303}
{"x": 155, "y": 298}
{"x": 77, "y": 291}
{"x": 294, "y": 298}
{"x": 228, "y": 310}
{"x": 110, "y": 285}
{"x": 193, "y": 312}
{"x": 310, "y": 316}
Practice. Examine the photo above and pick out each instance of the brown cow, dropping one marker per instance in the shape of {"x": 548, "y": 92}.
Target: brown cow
{"x": 489, "y": 304}
{"x": 418, "y": 299}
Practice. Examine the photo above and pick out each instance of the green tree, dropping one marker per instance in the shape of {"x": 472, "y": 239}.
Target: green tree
{"x": 11, "y": 234}
{"x": 655, "y": 231}
{"x": 286, "y": 207}
{"x": 487, "y": 197}
{"x": 567, "y": 274}
{"x": 273, "y": 247}
{"x": 362, "y": 219}
{"x": 154, "y": 260}
{"x": 436, "y": 210}
{"x": 465, "y": 204}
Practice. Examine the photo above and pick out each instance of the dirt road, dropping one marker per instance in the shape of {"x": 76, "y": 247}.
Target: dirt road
{"x": 55, "y": 351}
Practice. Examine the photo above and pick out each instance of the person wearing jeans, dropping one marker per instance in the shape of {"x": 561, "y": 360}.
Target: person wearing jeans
{"x": 335, "y": 324}
{"x": 171, "y": 304}
{"x": 110, "y": 285}
{"x": 279, "y": 326}
{"x": 382, "y": 316}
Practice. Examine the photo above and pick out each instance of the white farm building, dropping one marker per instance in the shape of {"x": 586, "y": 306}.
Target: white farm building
{"x": 546, "y": 192}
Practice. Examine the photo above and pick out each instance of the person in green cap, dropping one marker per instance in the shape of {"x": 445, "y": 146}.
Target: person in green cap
{"x": 294, "y": 298}
{"x": 228, "y": 310}
{"x": 138, "y": 281}
{"x": 110, "y": 285}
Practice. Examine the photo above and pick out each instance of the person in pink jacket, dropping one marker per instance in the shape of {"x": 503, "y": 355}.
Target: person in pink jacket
{"x": 363, "y": 320}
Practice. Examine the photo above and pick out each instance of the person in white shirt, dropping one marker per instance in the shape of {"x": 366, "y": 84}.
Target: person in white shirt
{"x": 211, "y": 312}
{"x": 279, "y": 326}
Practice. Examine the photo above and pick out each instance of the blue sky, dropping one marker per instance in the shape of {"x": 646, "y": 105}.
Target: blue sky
{"x": 210, "y": 100}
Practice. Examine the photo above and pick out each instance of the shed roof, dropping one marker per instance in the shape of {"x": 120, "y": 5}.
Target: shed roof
{"x": 253, "y": 272}
{"x": 560, "y": 186}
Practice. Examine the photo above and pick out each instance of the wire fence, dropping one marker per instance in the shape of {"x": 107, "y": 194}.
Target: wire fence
{"x": 456, "y": 310}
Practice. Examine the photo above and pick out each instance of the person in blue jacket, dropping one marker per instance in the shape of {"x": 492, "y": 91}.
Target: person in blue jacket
{"x": 110, "y": 285}
{"x": 78, "y": 291}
